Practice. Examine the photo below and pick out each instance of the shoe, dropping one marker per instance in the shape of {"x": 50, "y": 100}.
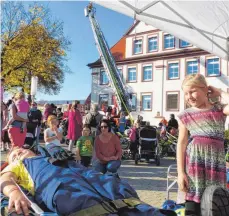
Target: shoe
{"x": 215, "y": 201}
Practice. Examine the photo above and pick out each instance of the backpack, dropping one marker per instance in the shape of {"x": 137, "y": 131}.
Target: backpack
{"x": 93, "y": 122}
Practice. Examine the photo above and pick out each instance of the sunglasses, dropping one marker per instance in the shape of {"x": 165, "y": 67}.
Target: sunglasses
{"x": 104, "y": 127}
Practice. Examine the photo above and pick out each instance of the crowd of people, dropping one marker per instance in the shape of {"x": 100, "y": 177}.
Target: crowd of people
{"x": 200, "y": 160}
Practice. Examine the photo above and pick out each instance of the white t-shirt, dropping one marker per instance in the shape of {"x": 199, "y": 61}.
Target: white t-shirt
{"x": 49, "y": 133}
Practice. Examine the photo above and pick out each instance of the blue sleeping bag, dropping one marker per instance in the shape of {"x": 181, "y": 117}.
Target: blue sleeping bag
{"x": 71, "y": 189}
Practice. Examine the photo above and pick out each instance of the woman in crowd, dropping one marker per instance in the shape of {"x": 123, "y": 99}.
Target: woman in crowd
{"x": 4, "y": 133}
{"x": 108, "y": 149}
{"x": 17, "y": 128}
{"x": 74, "y": 125}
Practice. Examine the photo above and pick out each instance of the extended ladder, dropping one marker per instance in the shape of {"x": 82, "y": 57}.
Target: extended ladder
{"x": 123, "y": 97}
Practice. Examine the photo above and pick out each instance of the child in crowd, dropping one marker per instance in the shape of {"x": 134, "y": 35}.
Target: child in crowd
{"x": 133, "y": 136}
{"x": 22, "y": 110}
{"x": 84, "y": 146}
{"x": 53, "y": 134}
{"x": 201, "y": 162}
{"x": 122, "y": 122}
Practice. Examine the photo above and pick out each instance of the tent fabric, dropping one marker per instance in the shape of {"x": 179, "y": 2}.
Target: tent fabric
{"x": 204, "y": 24}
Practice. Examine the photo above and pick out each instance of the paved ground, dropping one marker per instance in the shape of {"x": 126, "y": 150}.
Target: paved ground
{"x": 147, "y": 179}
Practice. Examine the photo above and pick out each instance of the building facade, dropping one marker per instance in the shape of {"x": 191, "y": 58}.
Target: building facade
{"x": 153, "y": 64}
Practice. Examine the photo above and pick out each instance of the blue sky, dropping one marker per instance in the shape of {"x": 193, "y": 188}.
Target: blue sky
{"x": 83, "y": 50}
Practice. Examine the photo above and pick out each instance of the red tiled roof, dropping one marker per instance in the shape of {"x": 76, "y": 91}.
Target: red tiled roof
{"x": 118, "y": 51}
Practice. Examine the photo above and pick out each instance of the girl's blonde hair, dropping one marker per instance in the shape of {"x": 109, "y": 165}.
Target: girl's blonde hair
{"x": 19, "y": 95}
{"x": 197, "y": 80}
{"x": 50, "y": 118}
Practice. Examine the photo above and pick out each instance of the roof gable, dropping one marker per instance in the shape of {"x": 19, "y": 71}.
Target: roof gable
{"x": 139, "y": 27}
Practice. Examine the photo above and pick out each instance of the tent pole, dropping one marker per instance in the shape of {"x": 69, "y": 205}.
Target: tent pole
{"x": 198, "y": 30}
{"x": 228, "y": 50}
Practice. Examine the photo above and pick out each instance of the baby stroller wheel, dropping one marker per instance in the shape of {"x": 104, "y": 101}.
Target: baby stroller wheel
{"x": 157, "y": 160}
{"x": 136, "y": 159}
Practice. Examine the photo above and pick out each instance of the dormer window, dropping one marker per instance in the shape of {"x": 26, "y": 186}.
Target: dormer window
{"x": 137, "y": 46}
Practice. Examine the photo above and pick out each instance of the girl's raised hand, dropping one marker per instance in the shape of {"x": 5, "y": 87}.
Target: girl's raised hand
{"x": 213, "y": 92}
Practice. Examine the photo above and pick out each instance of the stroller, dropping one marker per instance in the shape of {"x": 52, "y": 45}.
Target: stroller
{"x": 148, "y": 145}
{"x": 168, "y": 145}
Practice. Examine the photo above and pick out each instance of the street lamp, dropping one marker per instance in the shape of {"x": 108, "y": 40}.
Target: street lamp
{"x": 33, "y": 90}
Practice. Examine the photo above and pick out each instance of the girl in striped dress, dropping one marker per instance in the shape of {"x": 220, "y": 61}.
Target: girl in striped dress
{"x": 201, "y": 162}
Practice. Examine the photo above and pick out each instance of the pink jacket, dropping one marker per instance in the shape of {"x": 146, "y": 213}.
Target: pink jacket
{"x": 132, "y": 134}
{"x": 22, "y": 105}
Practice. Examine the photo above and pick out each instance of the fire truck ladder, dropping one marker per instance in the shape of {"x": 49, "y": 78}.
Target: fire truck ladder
{"x": 123, "y": 97}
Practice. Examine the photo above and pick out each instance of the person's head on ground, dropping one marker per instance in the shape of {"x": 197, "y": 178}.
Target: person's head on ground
{"x": 195, "y": 90}
{"x": 16, "y": 154}
{"x": 86, "y": 130}
{"x": 105, "y": 127}
{"x": 52, "y": 121}
{"x": 19, "y": 96}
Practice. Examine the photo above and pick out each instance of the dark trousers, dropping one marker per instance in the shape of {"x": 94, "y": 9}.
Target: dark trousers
{"x": 85, "y": 160}
{"x": 192, "y": 208}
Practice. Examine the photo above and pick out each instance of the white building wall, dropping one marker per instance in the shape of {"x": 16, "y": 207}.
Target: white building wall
{"x": 160, "y": 84}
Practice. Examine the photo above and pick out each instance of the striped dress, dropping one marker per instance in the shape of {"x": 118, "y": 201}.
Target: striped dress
{"x": 205, "y": 154}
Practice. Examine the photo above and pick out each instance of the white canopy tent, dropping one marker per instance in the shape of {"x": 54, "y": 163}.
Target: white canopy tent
{"x": 204, "y": 24}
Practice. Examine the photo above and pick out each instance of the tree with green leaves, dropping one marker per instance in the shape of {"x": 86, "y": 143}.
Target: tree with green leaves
{"x": 32, "y": 44}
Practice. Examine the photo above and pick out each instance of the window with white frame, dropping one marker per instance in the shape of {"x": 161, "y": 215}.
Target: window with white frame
{"x": 169, "y": 41}
{"x": 137, "y": 46}
{"x": 134, "y": 102}
{"x": 152, "y": 44}
{"x": 103, "y": 78}
{"x": 172, "y": 99}
{"x": 132, "y": 76}
{"x": 184, "y": 44}
{"x": 103, "y": 100}
{"x": 192, "y": 67}
{"x": 213, "y": 67}
{"x": 147, "y": 72}
{"x": 173, "y": 70}
{"x": 146, "y": 102}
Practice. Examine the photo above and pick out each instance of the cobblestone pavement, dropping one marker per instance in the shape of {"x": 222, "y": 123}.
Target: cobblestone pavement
{"x": 148, "y": 180}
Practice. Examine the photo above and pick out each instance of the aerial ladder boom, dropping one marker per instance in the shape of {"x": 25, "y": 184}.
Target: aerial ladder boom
{"x": 122, "y": 95}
